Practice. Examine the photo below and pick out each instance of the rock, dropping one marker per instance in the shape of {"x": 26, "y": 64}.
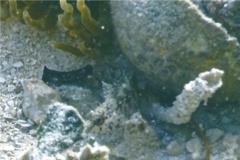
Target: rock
{"x": 214, "y": 134}
{"x": 175, "y": 148}
{"x": 62, "y": 127}
{"x": 232, "y": 145}
{"x": 225, "y": 12}
{"x": 8, "y": 148}
{"x": 138, "y": 134}
{"x": 226, "y": 120}
{"x": 231, "y": 141}
{"x": 2, "y": 79}
{"x": 194, "y": 146}
{"x": 173, "y": 41}
{"x": 83, "y": 99}
{"x": 37, "y": 97}
{"x": 18, "y": 64}
{"x": 11, "y": 104}
{"x": 11, "y": 88}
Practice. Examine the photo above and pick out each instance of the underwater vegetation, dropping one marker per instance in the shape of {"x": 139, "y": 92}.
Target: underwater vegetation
{"x": 85, "y": 21}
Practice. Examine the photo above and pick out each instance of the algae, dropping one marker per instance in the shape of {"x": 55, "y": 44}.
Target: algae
{"x": 75, "y": 18}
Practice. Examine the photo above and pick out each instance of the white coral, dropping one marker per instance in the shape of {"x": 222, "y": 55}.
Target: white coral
{"x": 193, "y": 93}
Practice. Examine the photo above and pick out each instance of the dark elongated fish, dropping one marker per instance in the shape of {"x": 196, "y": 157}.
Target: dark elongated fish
{"x": 77, "y": 77}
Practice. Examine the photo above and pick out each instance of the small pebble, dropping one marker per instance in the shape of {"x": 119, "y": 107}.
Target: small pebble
{"x": 11, "y": 88}
{"x": 3, "y": 139}
{"x": 214, "y": 134}
{"x": 11, "y": 104}
{"x": 226, "y": 120}
{"x": 33, "y": 132}
{"x": 231, "y": 141}
{"x": 27, "y": 40}
{"x": 174, "y": 148}
{"x": 31, "y": 61}
{"x": 15, "y": 29}
{"x": 24, "y": 124}
{"x": 13, "y": 71}
{"x": 194, "y": 145}
{"x": 4, "y": 63}
{"x": 18, "y": 88}
{"x": 2, "y": 79}
{"x": 18, "y": 64}
{"x": 20, "y": 114}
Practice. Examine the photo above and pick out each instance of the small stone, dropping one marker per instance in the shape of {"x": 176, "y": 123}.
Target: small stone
{"x": 3, "y": 139}
{"x": 13, "y": 71}
{"x": 231, "y": 141}
{"x": 11, "y": 104}
{"x": 194, "y": 145}
{"x": 18, "y": 64}
{"x": 33, "y": 132}
{"x": 31, "y": 61}
{"x": 11, "y": 88}
{"x": 8, "y": 148}
{"x": 19, "y": 113}
{"x": 27, "y": 40}
{"x": 37, "y": 97}
{"x": 174, "y": 148}
{"x": 11, "y": 111}
{"x": 18, "y": 88}
{"x": 4, "y": 63}
{"x": 214, "y": 134}
{"x": 2, "y": 79}
{"x": 15, "y": 29}
{"x": 226, "y": 120}
{"x": 24, "y": 124}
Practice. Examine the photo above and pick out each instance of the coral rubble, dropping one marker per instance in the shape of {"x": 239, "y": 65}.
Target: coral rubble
{"x": 193, "y": 93}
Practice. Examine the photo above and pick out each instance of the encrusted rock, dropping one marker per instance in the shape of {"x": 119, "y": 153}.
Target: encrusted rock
{"x": 36, "y": 99}
{"x": 62, "y": 127}
{"x": 173, "y": 41}
{"x": 138, "y": 133}
{"x": 226, "y": 12}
